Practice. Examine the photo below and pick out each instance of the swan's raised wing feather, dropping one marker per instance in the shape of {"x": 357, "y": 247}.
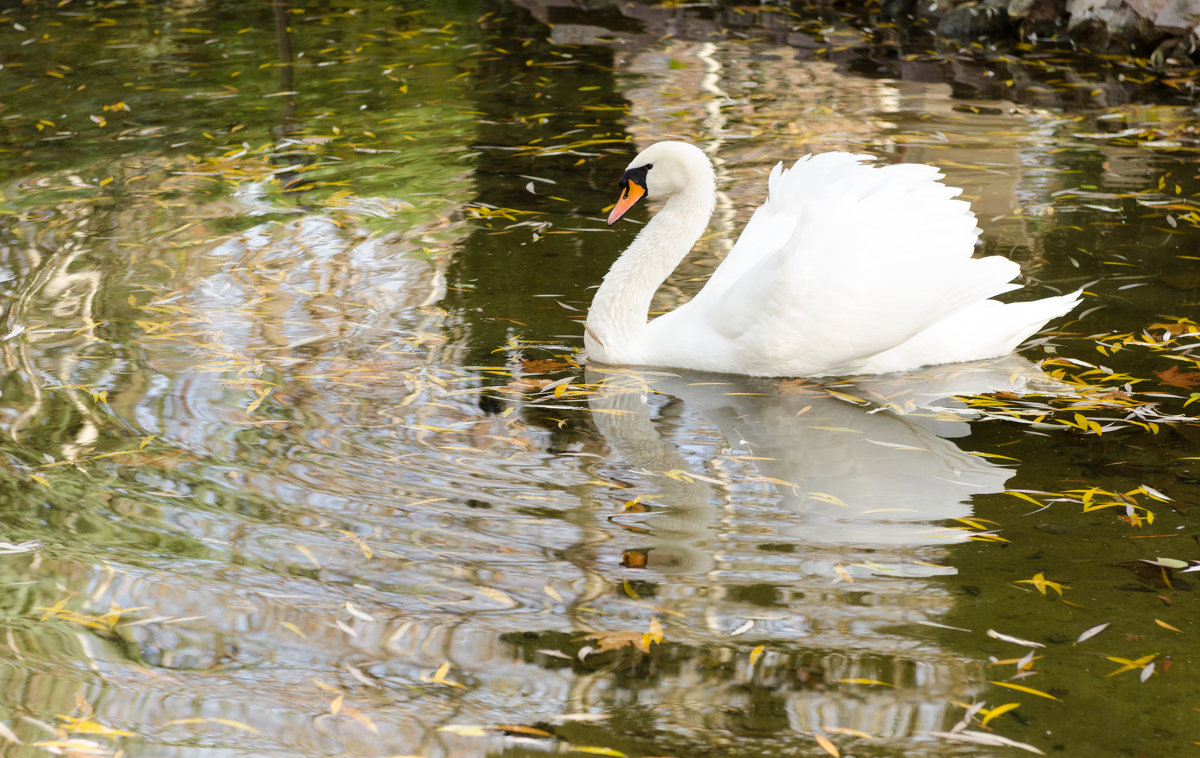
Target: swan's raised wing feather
{"x": 843, "y": 261}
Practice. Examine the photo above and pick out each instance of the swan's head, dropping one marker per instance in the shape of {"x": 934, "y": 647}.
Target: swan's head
{"x": 661, "y": 170}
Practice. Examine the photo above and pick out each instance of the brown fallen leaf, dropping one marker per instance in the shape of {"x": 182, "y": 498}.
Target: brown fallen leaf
{"x": 1174, "y": 376}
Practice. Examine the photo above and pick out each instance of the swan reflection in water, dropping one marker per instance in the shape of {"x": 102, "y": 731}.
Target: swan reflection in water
{"x": 810, "y": 522}
{"x": 857, "y": 472}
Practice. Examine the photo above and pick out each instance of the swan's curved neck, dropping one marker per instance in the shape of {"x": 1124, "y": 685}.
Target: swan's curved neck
{"x": 620, "y": 308}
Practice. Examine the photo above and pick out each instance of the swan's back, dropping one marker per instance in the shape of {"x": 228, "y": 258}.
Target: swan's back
{"x": 848, "y": 268}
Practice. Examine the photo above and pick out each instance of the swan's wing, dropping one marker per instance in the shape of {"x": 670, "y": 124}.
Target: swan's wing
{"x": 843, "y": 261}
{"x": 774, "y": 222}
{"x": 981, "y": 330}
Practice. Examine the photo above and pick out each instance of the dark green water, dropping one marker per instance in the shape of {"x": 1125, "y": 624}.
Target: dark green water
{"x": 283, "y": 287}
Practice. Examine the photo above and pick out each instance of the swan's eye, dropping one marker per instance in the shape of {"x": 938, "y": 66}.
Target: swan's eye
{"x": 636, "y": 175}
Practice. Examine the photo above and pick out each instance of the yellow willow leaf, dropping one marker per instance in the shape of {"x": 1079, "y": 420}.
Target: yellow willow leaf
{"x": 847, "y": 398}
{"x": 53, "y": 610}
{"x": 84, "y": 726}
{"x": 988, "y": 538}
{"x": 1129, "y": 665}
{"x": 336, "y": 705}
{"x": 976, "y": 523}
{"x": 1023, "y": 496}
{"x": 865, "y": 681}
{"x": 756, "y": 653}
{"x": 308, "y": 554}
{"x": 262, "y": 395}
{"x": 827, "y": 745}
{"x": 1165, "y": 625}
{"x": 1022, "y": 688}
{"x": 552, "y": 593}
{"x": 998, "y": 711}
{"x": 439, "y": 677}
{"x": 993, "y": 455}
{"x": 440, "y": 674}
{"x": 292, "y": 628}
{"x": 518, "y": 729}
{"x": 114, "y": 614}
{"x": 678, "y": 475}
{"x": 598, "y": 750}
{"x": 1041, "y": 582}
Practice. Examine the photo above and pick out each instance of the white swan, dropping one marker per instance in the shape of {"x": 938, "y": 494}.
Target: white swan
{"x": 847, "y": 268}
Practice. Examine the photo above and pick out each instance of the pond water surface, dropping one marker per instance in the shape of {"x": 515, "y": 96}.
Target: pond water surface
{"x": 302, "y": 457}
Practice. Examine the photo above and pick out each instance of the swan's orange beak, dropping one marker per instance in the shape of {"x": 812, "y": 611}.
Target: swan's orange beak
{"x": 631, "y": 194}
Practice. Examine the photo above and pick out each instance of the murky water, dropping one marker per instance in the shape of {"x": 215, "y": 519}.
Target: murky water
{"x": 302, "y": 458}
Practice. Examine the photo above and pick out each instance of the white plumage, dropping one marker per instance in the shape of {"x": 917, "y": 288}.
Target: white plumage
{"x": 847, "y": 268}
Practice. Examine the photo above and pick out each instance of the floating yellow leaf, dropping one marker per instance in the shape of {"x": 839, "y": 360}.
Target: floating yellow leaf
{"x": 1023, "y": 496}
{"x": 309, "y": 555}
{"x": 261, "y": 393}
{"x": 652, "y": 635}
{"x": 597, "y": 750}
{"x": 1041, "y": 582}
{"x": 997, "y": 711}
{"x": 439, "y": 677}
{"x": 1023, "y": 688}
{"x": 1128, "y": 665}
{"x": 756, "y": 653}
{"x": 87, "y": 726}
{"x": 518, "y": 729}
{"x": 292, "y": 628}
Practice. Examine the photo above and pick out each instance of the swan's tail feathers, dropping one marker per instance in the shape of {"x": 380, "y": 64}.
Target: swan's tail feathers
{"x": 986, "y": 329}
{"x": 1034, "y": 314}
